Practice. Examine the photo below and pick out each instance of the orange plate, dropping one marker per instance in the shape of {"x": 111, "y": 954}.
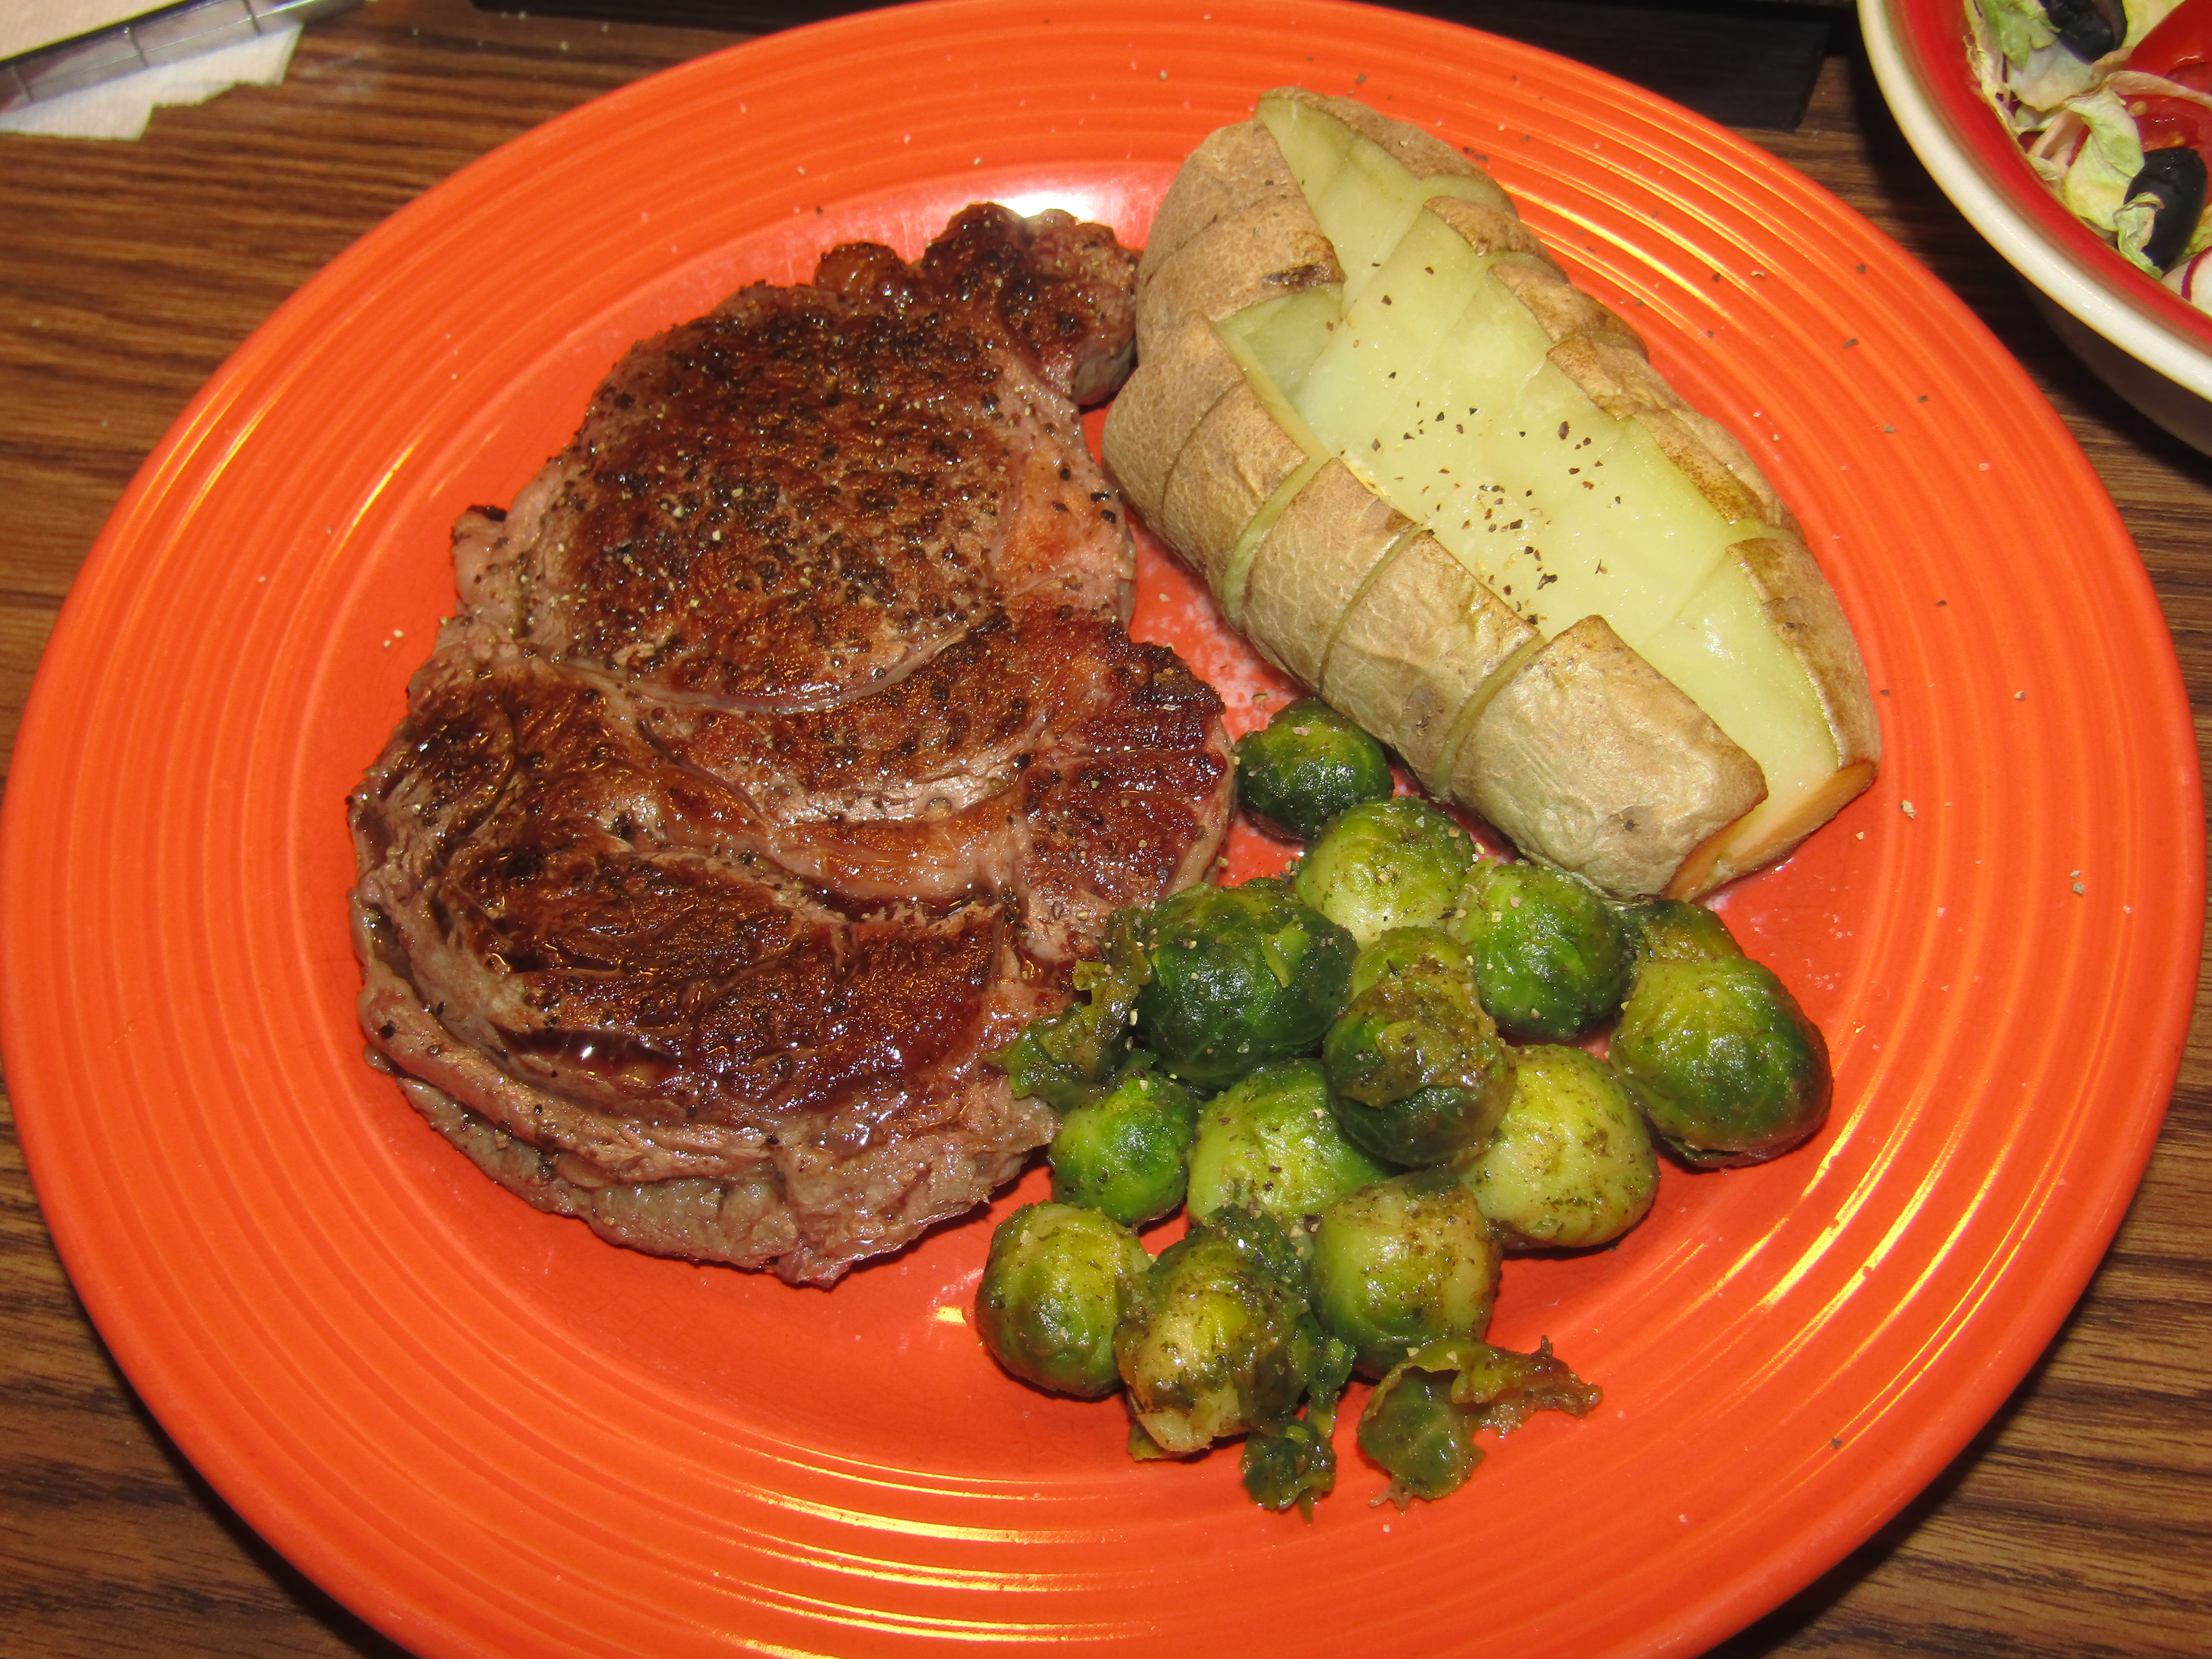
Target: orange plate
{"x": 487, "y": 1431}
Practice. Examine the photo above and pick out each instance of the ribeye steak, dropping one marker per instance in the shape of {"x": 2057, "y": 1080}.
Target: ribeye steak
{"x": 787, "y": 751}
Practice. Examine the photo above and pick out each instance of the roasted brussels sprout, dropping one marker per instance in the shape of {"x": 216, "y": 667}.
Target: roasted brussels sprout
{"x": 1055, "y": 1286}
{"x": 1416, "y": 1070}
{"x": 1395, "y": 863}
{"x": 1674, "y": 930}
{"x": 1305, "y": 766}
{"x": 1218, "y": 1339}
{"x": 1571, "y": 1165}
{"x": 1126, "y": 1154}
{"x": 1421, "y": 1420}
{"x": 1402, "y": 948}
{"x": 1402, "y": 1264}
{"x": 1071, "y": 1057}
{"x": 1238, "y": 976}
{"x": 1720, "y": 1058}
{"x": 1270, "y": 1144}
{"x": 1550, "y": 959}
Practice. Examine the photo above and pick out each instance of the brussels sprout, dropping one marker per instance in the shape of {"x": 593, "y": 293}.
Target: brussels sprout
{"x": 1055, "y": 1286}
{"x": 1270, "y": 1144}
{"x": 1218, "y": 1339}
{"x": 1674, "y": 930}
{"x": 1238, "y": 976}
{"x": 1401, "y": 948}
{"x": 1572, "y": 1164}
{"x": 1549, "y": 958}
{"x": 1416, "y": 1068}
{"x": 1421, "y": 1420}
{"x": 1401, "y": 1264}
{"x": 1308, "y": 764}
{"x": 1071, "y": 1057}
{"x": 1125, "y": 1154}
{"x": 1718, "y": 1055}
{"x": 1395, "y": 863}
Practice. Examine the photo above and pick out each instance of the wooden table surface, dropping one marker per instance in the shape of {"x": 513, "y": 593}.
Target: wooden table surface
{"x": 2078, "y": 1522}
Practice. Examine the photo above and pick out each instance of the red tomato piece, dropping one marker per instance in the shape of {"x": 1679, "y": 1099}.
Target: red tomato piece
{"x": 2180, "y": 47}
{"x": 2162, "y": 122}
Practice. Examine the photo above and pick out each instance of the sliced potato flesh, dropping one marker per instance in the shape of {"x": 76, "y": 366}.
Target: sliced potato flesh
{"x": 1366, "y": 192}
{"x": 1440, "y": 385}
{"x": 1456, "y": 372}
{"x": 1281, "y": 339}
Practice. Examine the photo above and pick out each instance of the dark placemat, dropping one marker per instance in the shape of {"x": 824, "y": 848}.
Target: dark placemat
{"x": 1741, "y": 62}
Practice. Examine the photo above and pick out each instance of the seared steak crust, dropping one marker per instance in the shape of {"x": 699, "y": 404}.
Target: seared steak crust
{"x": 786, "y": 752}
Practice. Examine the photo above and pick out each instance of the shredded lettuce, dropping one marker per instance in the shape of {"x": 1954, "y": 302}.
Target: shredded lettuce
{"x": 2131, "y": 228}
{"x": 2057, "y": 102}
{"x": 2026, "y": 75}
{"x": 2020, "y": 27}
{"x": 2095, "y": 186}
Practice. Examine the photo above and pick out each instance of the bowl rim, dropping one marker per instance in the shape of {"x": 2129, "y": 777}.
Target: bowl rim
{"x": 1982, "y": 169}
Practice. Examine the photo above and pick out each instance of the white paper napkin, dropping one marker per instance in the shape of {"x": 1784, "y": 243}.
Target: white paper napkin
{"x": 120, "y": 108}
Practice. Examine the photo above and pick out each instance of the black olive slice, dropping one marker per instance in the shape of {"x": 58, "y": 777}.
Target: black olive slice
{"x": 2088, "y": 29}
{"x": 2175, "y": 178}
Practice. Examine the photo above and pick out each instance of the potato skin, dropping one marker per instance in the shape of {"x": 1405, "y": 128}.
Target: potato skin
{"x": 1646, "y": 774}
{"x": 1233, "y": 169}
{"x": 1311, "y": 564}
{"x": 1151, "y": 419}
{"x": 1576, "y": 748}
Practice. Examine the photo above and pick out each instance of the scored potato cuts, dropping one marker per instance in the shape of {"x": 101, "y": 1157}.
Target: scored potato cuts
{"x": 1436, "y": 482}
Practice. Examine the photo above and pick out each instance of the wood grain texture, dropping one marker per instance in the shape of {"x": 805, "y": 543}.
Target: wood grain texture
{"x": 2078, "y": 1524}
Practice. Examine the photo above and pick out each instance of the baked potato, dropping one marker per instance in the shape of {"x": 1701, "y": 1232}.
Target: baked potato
{"x": 1430, "y": 478}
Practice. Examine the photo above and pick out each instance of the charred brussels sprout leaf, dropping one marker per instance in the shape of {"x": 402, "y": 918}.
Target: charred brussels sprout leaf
{"x": 1421, "y": 1420}
{"x": 1422, "y": 1441}
{"x": 1720, "y": 1058}
{"x": 1306, "y": 766}
{"x": 1238, "y": 976}
{"x": 1674, "y": 930}
{"x": 1417, "y": 1070}
{"x": 1297, "y": 1464}
{"x": 1054, "y": 1288}
{"x": 1291, "y": 1468}
{"x": 1270, "y": 1144}
{"x": 1219, "y": 1340}
{"x": 1395, "y": 863}
{"x": 1125, "y": 1154}
{"x": 1572, "y": 1164}
{"x": 1402, "y": 1264}
{"x": 1071, "y": 1057}
{"x": 1549, "y": 956}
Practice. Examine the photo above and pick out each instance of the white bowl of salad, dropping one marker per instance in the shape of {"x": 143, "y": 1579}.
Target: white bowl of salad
{"x": 2074, "y": 135}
